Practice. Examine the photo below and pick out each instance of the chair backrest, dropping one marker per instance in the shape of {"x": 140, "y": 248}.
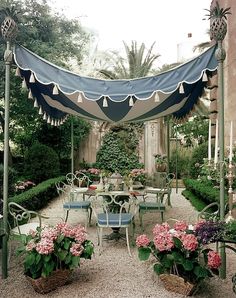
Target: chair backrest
{"x": 118, "y": 204}
{"x": 61, "y": 187}
{"x": 82, "y": 180}
{"x": 210, "y": 212}
{"x": 70, "y": 178}
{"x": 21, "y": 215}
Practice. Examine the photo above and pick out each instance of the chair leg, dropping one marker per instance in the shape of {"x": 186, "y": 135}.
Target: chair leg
{"x": 90, "y": 215}
{"x": 67, "y": 213}
{"x": 127, "y": 240}
{"x": 141, "y": 219}
{"x": 162, "y": 216}
{"x": 100, "y": 240}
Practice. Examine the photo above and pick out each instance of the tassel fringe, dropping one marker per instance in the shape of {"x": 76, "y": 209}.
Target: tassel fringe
{"x": 181, "y": 88}
{"x": 55, "y": 90}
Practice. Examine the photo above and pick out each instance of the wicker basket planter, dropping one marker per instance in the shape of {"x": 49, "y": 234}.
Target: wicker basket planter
{"x": 177, "y": 284}
{"x": 44, "y": 285}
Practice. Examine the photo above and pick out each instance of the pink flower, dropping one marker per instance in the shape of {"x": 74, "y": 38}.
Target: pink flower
{"x": 76, "y": 249}
{"x": 32, "y": 233}
{"x": 199, "y": 224}
{"x": 45, "y": 246}
{"x": 160, "y": 228}
{"x": 189, "y": 242}
{"x": 142, "y": 240}
{"x": 214, "y": 260}
{"x": 30, "y": 245}
{"x": 50, "y": 233}
{"x": 180, "y": 226}
{"x": 163, "y": 241}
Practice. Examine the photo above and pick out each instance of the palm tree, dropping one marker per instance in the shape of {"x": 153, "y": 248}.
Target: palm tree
{"x": 135, "y": 65}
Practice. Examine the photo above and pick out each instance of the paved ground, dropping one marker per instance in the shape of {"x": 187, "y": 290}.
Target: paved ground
{"x": 113, "y": 273}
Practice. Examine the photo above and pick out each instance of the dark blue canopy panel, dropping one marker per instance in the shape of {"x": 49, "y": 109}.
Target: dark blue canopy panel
{"x": 58, "y": 92}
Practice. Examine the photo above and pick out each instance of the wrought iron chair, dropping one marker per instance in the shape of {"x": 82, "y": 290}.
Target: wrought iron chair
{"x": 113, "y": 212}
{"x": 74, "y": 198}
{"x": 159, "y": 204}
{"x": 21, "y": 219}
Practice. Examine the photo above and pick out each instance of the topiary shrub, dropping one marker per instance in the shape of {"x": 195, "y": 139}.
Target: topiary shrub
{"x": 199, "y": 153}
{"x": 41, "y": 163}
{"x": 118, "y": 152}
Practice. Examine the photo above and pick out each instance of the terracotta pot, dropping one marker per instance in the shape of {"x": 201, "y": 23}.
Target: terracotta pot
{"x": 177, "y": 284}
{"x": 47, "y": 284}
{"x": 161, "y": 167}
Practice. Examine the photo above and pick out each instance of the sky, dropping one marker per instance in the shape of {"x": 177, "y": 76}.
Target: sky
{"x": 165, "y": 22}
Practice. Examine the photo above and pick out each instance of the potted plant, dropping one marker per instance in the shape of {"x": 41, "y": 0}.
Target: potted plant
{"x": 51, "y": 253}
{"x": 161, "y": 162}
{"x": 182, "y": 260}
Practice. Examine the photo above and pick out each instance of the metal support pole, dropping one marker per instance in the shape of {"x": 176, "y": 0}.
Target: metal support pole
{"x": 220, "y": 56}
{"x": 176, "y": 163}
{"x": 8, "y": 59}
{"x": 72, "y": 145}
{"x": 168, "y": 144}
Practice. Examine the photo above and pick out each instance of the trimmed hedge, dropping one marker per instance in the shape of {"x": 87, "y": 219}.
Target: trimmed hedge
{"x": 204, "y": 191}
{"x": 38, "y": 197}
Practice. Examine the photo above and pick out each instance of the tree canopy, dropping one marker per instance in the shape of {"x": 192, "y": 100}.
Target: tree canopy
{"x": 55, "y": 38}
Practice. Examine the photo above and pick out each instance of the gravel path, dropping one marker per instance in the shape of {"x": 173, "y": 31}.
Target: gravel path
{"x": 113, "y": 273}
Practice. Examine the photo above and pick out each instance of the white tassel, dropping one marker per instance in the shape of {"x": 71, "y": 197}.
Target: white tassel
{"x": 24, "y": 86}
{"x": 55, "y": 90}
{"x": 49, "y": 120}
{"x": 61, "y": 122}
{"x": 44, "y": 116}
{"x": 105, "y": 103}
{"x": 30, "y": 95}
{"x": 156, "y": 97}
{"x": 131, "y": 101}
{"x": 52, "y": 122}
{"x": 17, "y": 73}
{"x": 40, "y": 111}
{"x": 32, "y": 79}
{"x": 181, "y": 88}
{"x": 204, "y": 77}
{"x": 36, "y": 104}
{"x": 80, "y": 98}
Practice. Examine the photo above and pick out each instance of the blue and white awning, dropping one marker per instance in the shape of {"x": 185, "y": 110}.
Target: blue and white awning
{"x": 58, "y": 92}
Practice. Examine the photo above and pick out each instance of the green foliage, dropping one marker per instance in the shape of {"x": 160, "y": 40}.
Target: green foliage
{"x": 41, "y": 163}
{"x": 203, "y": 190}
{"x": 183, "y": 157}
{"x": 197, "y": 203}
{"x": 198, "y": 155}
{"x": 119, "y": 151}
{"x": 38, "y": 197}
{"x": 194, "y": 131}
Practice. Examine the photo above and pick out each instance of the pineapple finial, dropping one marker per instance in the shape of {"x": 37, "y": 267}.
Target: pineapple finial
{"x": 218, "y": 17}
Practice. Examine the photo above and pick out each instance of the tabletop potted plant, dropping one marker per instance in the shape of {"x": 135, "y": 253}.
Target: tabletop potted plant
{"x": 51, "y": 253}
{"x": 182, "y": 258}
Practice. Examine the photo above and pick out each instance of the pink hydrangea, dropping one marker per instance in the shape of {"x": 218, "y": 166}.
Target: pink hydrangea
{"x": 32, "y": 233}
{"x": 163, "y": 241}
{"x": 160, "y": 228}
{"x": 180, "y": 226}
{"x": 66, "y": 230}
{"x": 199, "y": 224}
{"x": 30, "y": 245}
{"x": 76, "y": 249}
{"x": 190, "y": 242}
{"x": 80, "y": 234}
{"x": 45, "y": 246}
{"x": 213, "y": 259}
{"x": 142, "y": 240}
{"x": 50, "y": 233}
